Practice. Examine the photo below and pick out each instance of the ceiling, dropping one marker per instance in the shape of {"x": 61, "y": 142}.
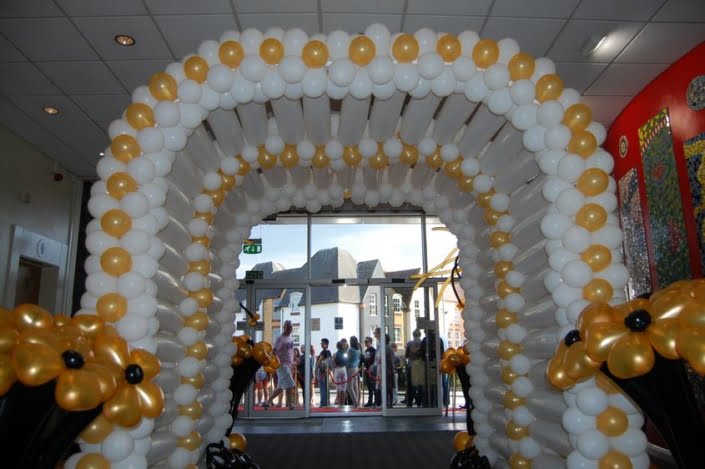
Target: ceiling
{"x": 62, "y": 53}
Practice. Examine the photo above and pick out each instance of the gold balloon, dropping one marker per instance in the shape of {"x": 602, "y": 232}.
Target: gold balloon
{"x": 204, "y": 240}
{"x": 204, "y": 297}
{"x": 315, "y": 54}
{"x": 599, "y": 339}
{"x": 668, "y": 304}
{"x": 612, "y": 421}
{"x": 548, "y": 87}
{"x": 577, "y": 116}
{"x": 434, "y": 160}
{"x": 502, "y": 267}
{"x": 43, "y": 336}
{"x": 597, "y": 256}
{"x": 196, "y": 69}
{"x": 8, "y": 338}
{"x": 351, "y": 156}
{"x": 217, "y": 195}
{"x": 202, "y": 267}
{"x": 447, "y": 367}
{"x": 692, "y": 315}
{"x": 237, "y": 441}
{"x": 598, "y": 291}
{"x": 116, "y": 261}
{"x": 61, "y": 320}
{"x": 231, "y": 53}
{"x": 229, "y": 181}
{"x": 615, "y": 460}
{"x": 90, "y": 325}
{"x": 149, "y": 362}
{"x": 237, "y": 361}
{"x": 517, "y": 461}
{"x": 139, "y": 116}
{"x": 193, "y": 410}
{"x": 592, "y": 182}
{"x": 97, "y": 430}
{"x": 320, "y": 160}
{"x": 36, "y": 364}
{"x": 150, "y": 398}
{"x": 106, "y": 375}
{"x": 592, "y": 217}
{"x": 512, "y": 401}
{"x": 267, "y": 347}
{"x": 271, "y": 50}
{"x": 120, "y": 184}
{"x": 492, "y": 217}
{"x": 448, "y": 47}
{"x": 93, "y": 461}
{"x": 503, "y": 289}
{"x": 244, "y": 351}
{"x": 454, "y": 360}
{"x": 465, "y": 184}
{"x": 31, "y": 316}
{"x": 483, "y": 200}
{"x": 8, "y": 377}
{"x": 244, "y": 166}
{"x": 516, "y": 432}
{"x": 663, "y": 337}
{"x": 505, "y": 319}
{"x": 123, "y": 408}
{"x": 198, "y": 321}
{"x": 125, "y": 148}
{"x": 498, "y": 238}
{"x": 508, "y": 349}
{"x": 207, "y": 217}
{"x": 577, "y": 364}
{"x": 448, "y": 352}
{"x": 452, "y": 168}
{"x": 111, "y": 349}
{"x": 274, "y": 362}
{"x": 405, "y": 48}
{"x": 116, "y": 222}
{"x": 265, "y": 159}
{"x": 582, "y": 143}
{"x": 362, "y": 50}
{"x": 606, "y": 384}
{"x": 111, "y": 307}
{"x": 555, "y": 372}
{"x": 508, "y": 376}
{"x": 191, "y": 441}
{"x": 631, "y": 356}
{"x": 691, "y": 346}
{"x": 163, "y": 87}
{"x": 77, "y": 390}
{"x": 485, "y": 53}
{"x": 378, "y": 161}
{"x": 521, "y": 66}
{"x": 198, "y": 350}
{"x": 409, "y": 154}
{"x": 288, "y": 157}
{"x": 259, "y": 353}
{"x": 462, "y": 440}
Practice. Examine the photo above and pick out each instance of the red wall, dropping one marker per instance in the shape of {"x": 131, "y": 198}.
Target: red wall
{"x": 668, "y": 90}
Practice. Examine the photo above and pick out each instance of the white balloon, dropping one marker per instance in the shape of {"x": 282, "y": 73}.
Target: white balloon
{"x": 315, "y": 82}
{"x": 542, "y": 66}
{"x": 100, "y": 283}
{"x": 98, "y": 241}
{"x": 554, "y": 224}
{"x": 406, "y": 76}
{"x": 576, "y": 239}
{"x": 576, "y": 273}
{"x": 174, "y": 138}
{"x": 593, "y": 444}
{"x": 220, "y": 78}
{"x": 120, "y": 127}
{"x": 141, "y": 94}
{"x": 445, "y": 83}
{"x": 292, "y": 69}
{"x": 294, "y": 40}
{"x": 273, "y": 85}
{"x": 499, "y": 101}
{"x": 570, "y": 167}
{"x": 342, "y": 72}
{"x": 338, "y": 43}
{"x": 522, "y": 92}
{"x": 599, "y": 131}
{"x": 117, "y": 445}
{"x": 533, "y": 138}
{"x": 569, "y": 97}
{"x": 569, "y": 201}
{"x": 475, "y": 89}
{"x": 497, "y": 76}
{"x": 131, "y": 285}
{"x": 361, "y": 86}
{"x": 430, "y": 65}
{"x": 609, "y": 235}
{"x": 253, "y": 68}
{"x": 524, "y": 116}
{"x": 550, "y": 114}
{"x": 191, "y": 116}
{"x": 135, "y": 204}
{"x": 557, "y": 137}
{"x": 380, "y": 70}
{"x": 180, "y": 457}
{"x": 576, "y": 422}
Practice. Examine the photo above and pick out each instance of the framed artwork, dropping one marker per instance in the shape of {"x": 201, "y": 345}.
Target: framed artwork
{"x": 694, "y": 151}
{"x": 635, "y": 250}
{"x": 663, "y": 200}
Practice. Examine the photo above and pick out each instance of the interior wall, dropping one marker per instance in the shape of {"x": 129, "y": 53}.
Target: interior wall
{"x": 29, "y": 197}
{"x": 668, "y": 90}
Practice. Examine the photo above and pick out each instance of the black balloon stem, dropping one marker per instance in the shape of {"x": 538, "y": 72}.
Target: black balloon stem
{"x": 572, "y": 337}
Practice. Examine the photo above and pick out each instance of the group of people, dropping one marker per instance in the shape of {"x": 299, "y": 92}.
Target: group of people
{"x": 343, "y": 368}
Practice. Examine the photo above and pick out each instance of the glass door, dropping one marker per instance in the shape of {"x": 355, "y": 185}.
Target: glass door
{"x": 411, "y": 382}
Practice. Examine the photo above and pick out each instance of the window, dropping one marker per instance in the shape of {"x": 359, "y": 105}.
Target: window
{"x": 294, "y": 300}
{"x": 386, "y": 306}
{"x": 372, "y": 331}
{"x": 373, "y": 304}
{"x": 296, "y": 335}
{"x": 397, "y": 334}
{"x": 417, "y": 308}
{"x": 338, "y": 323}
{"x": 396, "y": 301}
{"x": 315, "y": 324}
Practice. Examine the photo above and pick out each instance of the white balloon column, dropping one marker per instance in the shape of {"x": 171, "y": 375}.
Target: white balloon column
{"x": 531, "y": 203}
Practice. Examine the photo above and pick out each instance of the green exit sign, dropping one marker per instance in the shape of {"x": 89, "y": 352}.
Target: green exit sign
{"x": 252, "y": 246}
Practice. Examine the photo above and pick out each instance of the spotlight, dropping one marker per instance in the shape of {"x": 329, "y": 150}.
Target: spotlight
{"x": 51, "y": 110}
{"x": 125, "y": 40}
{"x": 592, "y": 44}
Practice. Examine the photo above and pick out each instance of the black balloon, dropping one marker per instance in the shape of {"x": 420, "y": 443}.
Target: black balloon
{"x": 218, "y": 456}
{"x": 469, "y": 459}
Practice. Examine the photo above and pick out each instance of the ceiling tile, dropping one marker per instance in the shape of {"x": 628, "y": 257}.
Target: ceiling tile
{"x": 103, "y": 108}
{"x": 21, "y": 78}
{"x": 354, "y": 23}
{"x": 682, "y": 10}
{"x": 306, "y": 21}
{"x": 47, "y": 39}
{"x": 102, "y": 7}
{"x": 280, "y": 6}
{"x": 534, "y": 35}
{"x": 102, "y": 31}
{"x": 576, "y": 33}
{"x": 8, "y": 52}
{"x": 578, "y": 75}
{"x": 663, "y": 43}
{"x": 185, "y": 33}
{"x": 71, "y": 125}
{"x": 134, "y": 73}
{"x": 534, "y": 8}
{"x": 28, "y": 9}
{"x": 362, "y": 6}
{"x": 606, "y": 108}
{"x": 629, "y": 10}
{"x": 82, "y": 77}
{"x": 446, "y": 24}
{"x": 449, "y": 7}
{"x": 187, "y": 7}
{"x": 625, "y": 79}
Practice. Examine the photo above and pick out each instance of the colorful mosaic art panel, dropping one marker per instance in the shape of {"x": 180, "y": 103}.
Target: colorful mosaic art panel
{"x": 663, "y": 201}
{"x": 694, "y": 150}
{"x": 636, "y": 255}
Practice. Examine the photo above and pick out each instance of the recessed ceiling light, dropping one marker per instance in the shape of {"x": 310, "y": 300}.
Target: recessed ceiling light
{"x": 592, "y": 44}
{"x": 51, "y": 110}
{"x": 125, "y": 40}
{"x": 101, "y": 153}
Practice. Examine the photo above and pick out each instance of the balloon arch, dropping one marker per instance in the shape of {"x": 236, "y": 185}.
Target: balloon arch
{"x": 472, "y": 130}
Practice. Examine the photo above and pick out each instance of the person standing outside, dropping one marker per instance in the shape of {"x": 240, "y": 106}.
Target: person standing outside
{"x": 415, "y": 371}
{"x": 369, "y": 361}
{"x": 284, "y": 350}
{"x": 322, "y": 367}
{"x": 354, "y": 353}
